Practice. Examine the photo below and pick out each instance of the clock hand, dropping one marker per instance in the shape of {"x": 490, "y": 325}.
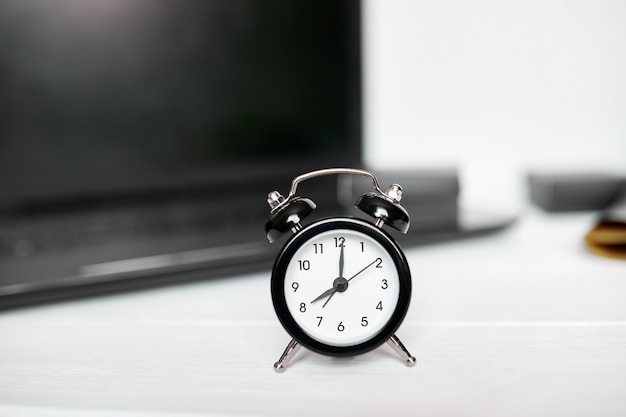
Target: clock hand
{"x": 341, "y": 263}
{"x": 355, "y": 275}
{"x": 340, "y": 284}
{"x": 331, "y": 296}
{"x": 330, "y": 292}
{"x": 325, "y": 294}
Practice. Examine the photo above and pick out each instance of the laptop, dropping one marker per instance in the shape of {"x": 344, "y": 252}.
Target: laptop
{"x": 139, "y": 140}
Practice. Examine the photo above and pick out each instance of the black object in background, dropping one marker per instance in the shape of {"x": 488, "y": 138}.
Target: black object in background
{"x": 430, "y": 195}
{"x": 140, "y": 138}
{"x": 114, "y": 98}
{"x": 575, "y": 191}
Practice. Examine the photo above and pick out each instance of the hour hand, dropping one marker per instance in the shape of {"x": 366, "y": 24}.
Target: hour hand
{"x": 337, "y": 286}
{"x": 325, "y": 294}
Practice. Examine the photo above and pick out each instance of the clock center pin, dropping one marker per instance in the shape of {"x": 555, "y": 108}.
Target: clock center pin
{"x": 340, "y": 284}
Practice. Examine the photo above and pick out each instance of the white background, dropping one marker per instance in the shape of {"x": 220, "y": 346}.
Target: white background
{"x": 495, "y": 89}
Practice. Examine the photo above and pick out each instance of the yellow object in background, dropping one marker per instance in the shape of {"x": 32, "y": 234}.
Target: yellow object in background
{"x": 608, "y": 238}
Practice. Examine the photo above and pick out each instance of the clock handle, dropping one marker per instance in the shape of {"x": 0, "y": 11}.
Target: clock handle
{"x": 277, "y": 201}
{"x": 287, "y": 212}
{"x": 333, "y": 171}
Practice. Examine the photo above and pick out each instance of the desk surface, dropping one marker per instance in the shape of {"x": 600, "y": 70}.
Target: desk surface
{"x": 521, "y": 323}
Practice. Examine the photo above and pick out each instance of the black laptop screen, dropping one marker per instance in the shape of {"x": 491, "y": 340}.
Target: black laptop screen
{"x": 115, "y": 96}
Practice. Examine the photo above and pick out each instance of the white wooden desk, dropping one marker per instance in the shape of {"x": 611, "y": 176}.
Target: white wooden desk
{"x": 520, "y": 323}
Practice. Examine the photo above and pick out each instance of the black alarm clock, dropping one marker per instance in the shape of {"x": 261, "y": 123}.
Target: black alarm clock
{"x": 340, "y": 286}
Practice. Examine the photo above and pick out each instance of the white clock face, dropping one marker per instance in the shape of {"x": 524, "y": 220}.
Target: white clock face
{"x": 341, "y": 287}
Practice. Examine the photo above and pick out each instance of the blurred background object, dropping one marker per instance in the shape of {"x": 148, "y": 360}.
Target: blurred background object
{"x": 608, "y": 237}
{"x": 575, "y": 191}
{"x": 432, "y": 195}
{"x": 497, "y": 90}
{"x": 503, "y": 91}
{"x": 115, "y": 100}
{"x": 138, "y": 140}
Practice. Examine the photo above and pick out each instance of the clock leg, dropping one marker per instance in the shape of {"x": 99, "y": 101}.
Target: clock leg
{"x": 397, "y": 345}
{"x": 292, "y": 348}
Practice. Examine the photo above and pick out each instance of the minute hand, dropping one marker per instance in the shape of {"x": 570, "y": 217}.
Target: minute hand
{"x": 355, "y": 275}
